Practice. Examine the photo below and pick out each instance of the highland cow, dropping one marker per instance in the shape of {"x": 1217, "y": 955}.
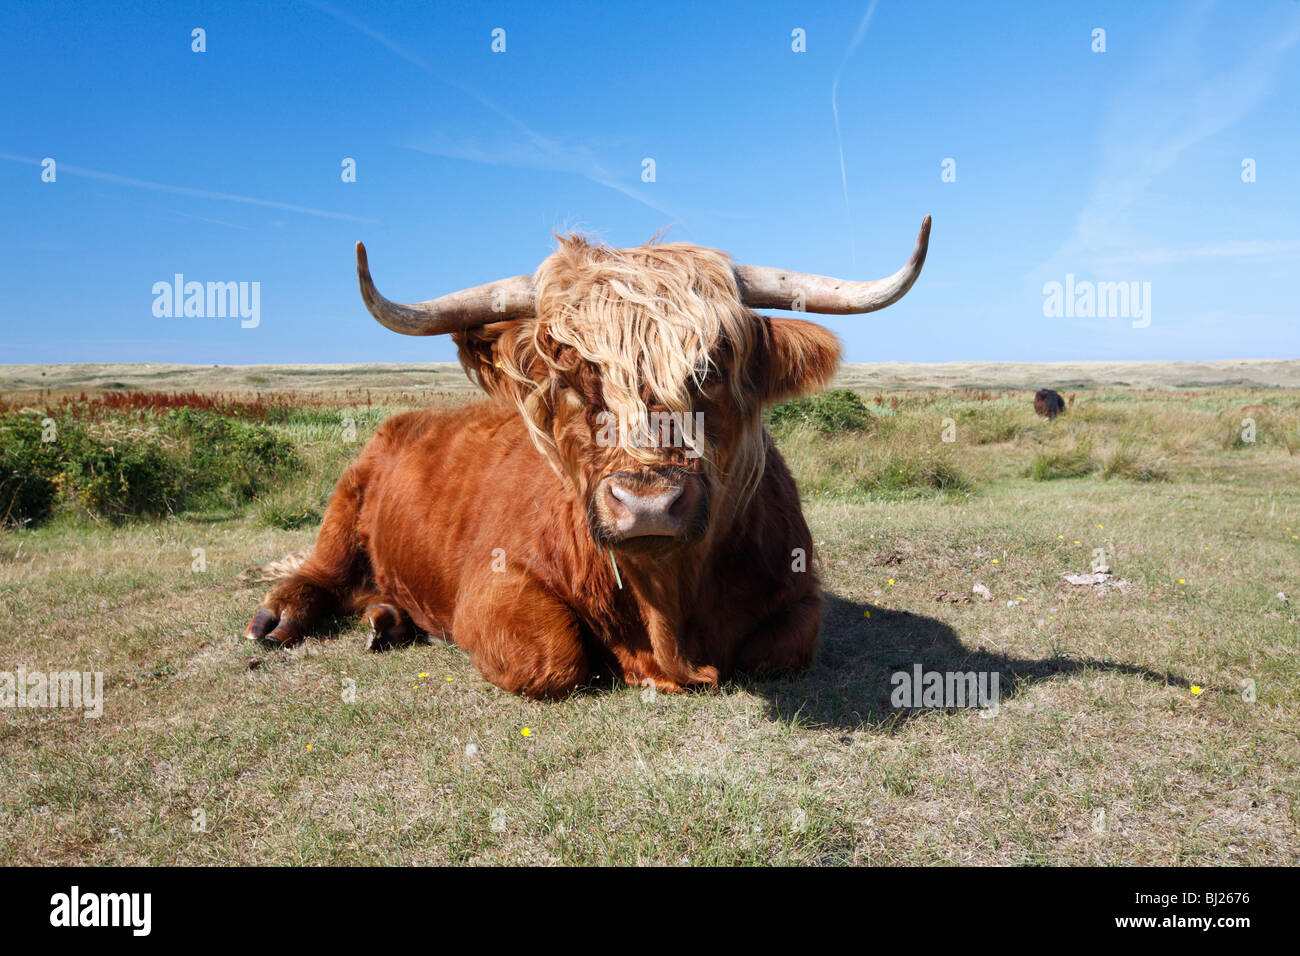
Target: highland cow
{"x": 616, "y": 506}
{"x": 1048, "y": 403}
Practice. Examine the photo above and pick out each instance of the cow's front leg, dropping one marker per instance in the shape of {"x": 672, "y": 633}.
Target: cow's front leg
{"x": 783, "y": 642}
{"x": 520, "y": 636}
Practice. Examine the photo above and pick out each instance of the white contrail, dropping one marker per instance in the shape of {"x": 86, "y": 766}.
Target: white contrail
{"x": 186, "y": 190}
{"x": 835, "y": 109}
{"x": 558, "y": 156}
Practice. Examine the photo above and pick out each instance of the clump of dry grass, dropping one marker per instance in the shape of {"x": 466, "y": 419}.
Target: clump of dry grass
{"x": 887, "y": 463}
{"x": 1129, "y": 459}
{"x": 1072, "y": 460}
{"x": 1258, "y": 426}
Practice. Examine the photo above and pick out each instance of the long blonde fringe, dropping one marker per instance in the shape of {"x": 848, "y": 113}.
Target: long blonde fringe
{"x": 654, "y": 316}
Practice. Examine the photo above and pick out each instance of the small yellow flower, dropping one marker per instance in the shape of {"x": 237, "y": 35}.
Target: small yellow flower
{"x": 1077, "y": 541}
{"x": 1060, "y": 537}
{"x": 1100, "y": 526}
{"x": 1196, "y": 691}
{"x": 309, "y": 746}
{"x": 866, "y": 614}
{"x": 527, "y": 732}
{"x": 995, "y": 560}
{"x": 891, "y": 580}
{"x": 450, "y": 679}
{"x": 422, "y": 675}
{"x": 1182, "y": 580}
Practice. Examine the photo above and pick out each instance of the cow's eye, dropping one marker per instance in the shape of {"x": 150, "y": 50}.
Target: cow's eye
{"x": 713, "y": 380}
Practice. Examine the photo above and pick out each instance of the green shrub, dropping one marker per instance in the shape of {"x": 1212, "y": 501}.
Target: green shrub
{"x": 29, "y": 471}
{"x": 229, "y": 460}
{"x": 838, "y": 410}
{"x": 116, "y": 477}
{"x": 137, "y": 464}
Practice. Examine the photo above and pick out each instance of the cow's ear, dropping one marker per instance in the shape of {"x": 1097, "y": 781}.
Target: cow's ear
{"x": 800, "y": 358}
{"x": 482, "y": 350}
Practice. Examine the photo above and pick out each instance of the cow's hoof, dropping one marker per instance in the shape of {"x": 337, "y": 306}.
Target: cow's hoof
{"x": 660, "y": 685}
{"x": 388, "y": 627}
{"x": 270, "y": 628}
{"x": 707, "y": 677}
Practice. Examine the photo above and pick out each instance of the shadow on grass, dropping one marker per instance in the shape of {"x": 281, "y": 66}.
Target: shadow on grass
{"x": 848, "y": 686}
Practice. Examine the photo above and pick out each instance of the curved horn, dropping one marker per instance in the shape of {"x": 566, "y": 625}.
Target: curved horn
{"x": 763, "y": 287}
{"x": 453, "y": 312}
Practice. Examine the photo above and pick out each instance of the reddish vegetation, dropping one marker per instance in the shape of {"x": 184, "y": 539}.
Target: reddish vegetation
{"x": 85, "y": 407}
{"x": 258, "y": 407}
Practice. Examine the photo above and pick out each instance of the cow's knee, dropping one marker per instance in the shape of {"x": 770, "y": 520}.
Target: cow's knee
{"x": 538, "y": 654}
{"x": 541, "y": 666}
{"x": 545, "y": 682}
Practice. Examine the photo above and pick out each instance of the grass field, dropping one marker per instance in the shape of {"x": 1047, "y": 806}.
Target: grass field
{"x": 1157, "y": 722}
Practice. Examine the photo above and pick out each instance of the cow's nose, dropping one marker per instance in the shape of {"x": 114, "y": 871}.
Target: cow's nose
{"x": 638, "y": 510}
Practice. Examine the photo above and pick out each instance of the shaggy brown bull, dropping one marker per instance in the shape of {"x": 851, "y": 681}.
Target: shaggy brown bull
{"x": 1048, "y": 403}
{"x": 616, "y": 506}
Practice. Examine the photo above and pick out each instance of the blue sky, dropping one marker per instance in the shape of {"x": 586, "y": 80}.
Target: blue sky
{"x": 225, "y": 165}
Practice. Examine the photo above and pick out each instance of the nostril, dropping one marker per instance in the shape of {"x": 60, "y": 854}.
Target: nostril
{"x": 663, "y": 501}
{"x": 636, "y": 507}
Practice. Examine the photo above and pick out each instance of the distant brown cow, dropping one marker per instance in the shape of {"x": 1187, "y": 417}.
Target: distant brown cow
{"x": 1048, "y": 403}
{"x": 670, "y": 550}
